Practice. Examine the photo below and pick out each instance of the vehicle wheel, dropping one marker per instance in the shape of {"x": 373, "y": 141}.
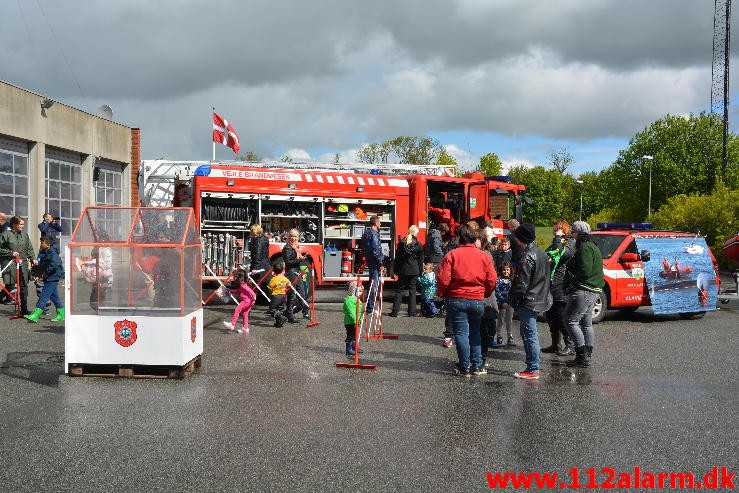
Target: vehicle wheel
{"x": 600, "y": 308}
{"x": 692, "y": 315}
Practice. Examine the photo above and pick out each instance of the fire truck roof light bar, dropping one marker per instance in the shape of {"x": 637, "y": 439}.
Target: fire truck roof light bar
{"x": 373, "y": 169}
{"x": 635, "y": 226}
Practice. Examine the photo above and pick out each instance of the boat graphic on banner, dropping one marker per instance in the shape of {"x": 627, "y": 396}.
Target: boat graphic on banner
{"x": 679, "y": 275}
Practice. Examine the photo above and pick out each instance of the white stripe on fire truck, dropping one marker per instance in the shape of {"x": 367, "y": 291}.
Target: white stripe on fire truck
{"x": 330, "y": 178}
{"x": 394, "y": 182}
{"x": 371, "y": 181}
{"x": 360, "y": 180}
{"x": 381, "y": 182}
{"x": 340, "y": 179}
{"x": 350, "y": 180}
{"x": 319, "y": 178}
{"x": 617, "y": 273}
{"x": 309, "y": 178}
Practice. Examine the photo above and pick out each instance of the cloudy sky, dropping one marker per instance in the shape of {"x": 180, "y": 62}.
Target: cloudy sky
{"x": 313, "y": 78}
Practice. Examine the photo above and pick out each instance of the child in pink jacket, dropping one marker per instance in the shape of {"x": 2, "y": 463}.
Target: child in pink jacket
{"x": 246, "y": 297}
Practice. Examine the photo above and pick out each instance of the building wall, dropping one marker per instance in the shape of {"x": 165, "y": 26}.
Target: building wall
{"x": 64, "y": 128}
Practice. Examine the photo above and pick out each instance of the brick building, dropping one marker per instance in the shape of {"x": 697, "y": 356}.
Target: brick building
{"x": 57, "y": 158}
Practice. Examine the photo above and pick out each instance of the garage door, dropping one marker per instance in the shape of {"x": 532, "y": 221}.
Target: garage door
{"x": 64, "y": 187}
{"x": 14, "y": 177}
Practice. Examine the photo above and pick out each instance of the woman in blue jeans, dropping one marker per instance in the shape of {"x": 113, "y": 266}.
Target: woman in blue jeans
{"x": 466, "y": 277}
{"x": 583, "y": 286}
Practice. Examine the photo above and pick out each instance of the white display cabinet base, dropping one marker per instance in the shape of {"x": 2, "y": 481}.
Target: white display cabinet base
{"x": 96, "y": 340}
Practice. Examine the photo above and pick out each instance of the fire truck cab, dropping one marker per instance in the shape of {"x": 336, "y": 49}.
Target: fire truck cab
{"x": 329, "y": 204}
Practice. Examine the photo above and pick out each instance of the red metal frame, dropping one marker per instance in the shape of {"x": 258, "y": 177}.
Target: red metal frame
{"x": 356, "y": 363}
{"x": 18, "y": 273}
{"x": 380, "y": 334}
{"x": 313, "y": 320}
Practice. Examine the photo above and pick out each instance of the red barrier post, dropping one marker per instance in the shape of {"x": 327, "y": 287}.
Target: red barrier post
{"x": 356, "y": 363}
{"x": 17, "y": 290}
{"x": 313, "y": 320}
{"x": 380, "y": 334}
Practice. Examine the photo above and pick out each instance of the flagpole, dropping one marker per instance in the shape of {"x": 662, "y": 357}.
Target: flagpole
{"x": 214, "y": 142}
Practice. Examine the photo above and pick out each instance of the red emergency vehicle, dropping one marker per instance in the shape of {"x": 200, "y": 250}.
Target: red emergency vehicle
{"x": 329, "y": 204}
{"x": 626, "y": 285}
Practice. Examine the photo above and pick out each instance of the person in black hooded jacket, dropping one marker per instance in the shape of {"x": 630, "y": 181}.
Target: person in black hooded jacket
{"x": 259, "y": 260}
{"x": 530, "y": 295}
{"x": 408, "y": 266}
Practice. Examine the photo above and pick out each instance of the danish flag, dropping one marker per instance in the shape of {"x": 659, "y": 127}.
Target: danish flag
{"x": 224, "y": 133}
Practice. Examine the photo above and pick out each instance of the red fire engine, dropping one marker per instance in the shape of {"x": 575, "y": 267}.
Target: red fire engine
{"x": 328, "y": 204}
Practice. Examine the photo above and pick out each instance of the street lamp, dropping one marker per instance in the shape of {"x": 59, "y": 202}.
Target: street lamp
{"x": 649, "y": 200}
{"x": 581, "y": 187}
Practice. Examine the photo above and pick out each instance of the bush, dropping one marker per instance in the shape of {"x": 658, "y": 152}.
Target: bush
{"x": 716, "y": 216}
{"x": 605, "y": 216}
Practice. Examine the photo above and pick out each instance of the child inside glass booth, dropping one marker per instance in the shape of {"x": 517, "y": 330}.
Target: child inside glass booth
{"x": 98, "y": 271}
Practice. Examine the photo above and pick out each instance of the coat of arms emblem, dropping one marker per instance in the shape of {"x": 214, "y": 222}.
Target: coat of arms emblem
{"x": 125, "y": 332}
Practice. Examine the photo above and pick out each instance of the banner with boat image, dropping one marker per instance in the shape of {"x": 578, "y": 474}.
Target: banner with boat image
{"x": 679, "y": 274}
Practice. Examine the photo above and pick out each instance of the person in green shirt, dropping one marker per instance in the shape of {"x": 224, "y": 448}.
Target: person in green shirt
{"x": 583, "y": 285}
{"x": 352, "y": 312}
{"x": 15, "y": 244}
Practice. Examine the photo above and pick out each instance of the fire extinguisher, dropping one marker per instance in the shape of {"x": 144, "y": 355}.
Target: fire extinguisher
{"x": 346, "y": 262}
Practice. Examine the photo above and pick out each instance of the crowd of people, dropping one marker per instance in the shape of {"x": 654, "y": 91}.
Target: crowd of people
{"x": 20, "y": 264}
{"x": 477, "y": 282}
{"x": 465, "y": 274}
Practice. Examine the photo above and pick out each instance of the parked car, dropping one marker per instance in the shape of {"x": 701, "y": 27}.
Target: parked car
{"x": 626, "y": 269}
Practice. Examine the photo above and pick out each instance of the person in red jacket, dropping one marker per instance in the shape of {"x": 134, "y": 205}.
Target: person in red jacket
{"x": 439, "y": 216}
{"x": 466, "y": 277}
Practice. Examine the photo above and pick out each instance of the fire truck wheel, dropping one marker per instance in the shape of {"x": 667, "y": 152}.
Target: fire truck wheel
{"x": 600, "y": 307}
{"x": 692, "y": 315}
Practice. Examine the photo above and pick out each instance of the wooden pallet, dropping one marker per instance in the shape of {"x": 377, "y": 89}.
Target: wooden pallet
{"x": 135, "y": 371}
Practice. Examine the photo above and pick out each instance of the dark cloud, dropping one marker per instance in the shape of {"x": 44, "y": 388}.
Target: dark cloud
{"x": 332, "y": 74}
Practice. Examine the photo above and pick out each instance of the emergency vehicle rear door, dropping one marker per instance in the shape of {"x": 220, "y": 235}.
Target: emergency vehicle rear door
{"x": 477, "y": 201}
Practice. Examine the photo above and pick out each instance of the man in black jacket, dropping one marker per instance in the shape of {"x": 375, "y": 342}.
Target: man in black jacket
{"x": 530, "y": 295}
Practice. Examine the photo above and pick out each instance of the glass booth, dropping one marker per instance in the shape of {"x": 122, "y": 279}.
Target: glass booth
{"x": 133, "y": 290}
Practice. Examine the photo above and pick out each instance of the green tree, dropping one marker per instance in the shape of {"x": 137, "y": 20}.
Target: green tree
{"x": 248, "y": 156}
{"x": 547, "y": 191}
{"x": 445, "y": 159}
{"x": 490, "y": 165}
{"x": 715, "y": 215}
{"x": 686, "y": 155}
{"x": 403, "y": 150}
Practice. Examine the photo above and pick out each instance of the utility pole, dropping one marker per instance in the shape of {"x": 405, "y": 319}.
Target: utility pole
{"x": 720, "y": 72}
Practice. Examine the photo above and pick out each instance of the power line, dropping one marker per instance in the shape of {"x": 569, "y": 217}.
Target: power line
{"x": 61, "y": 50}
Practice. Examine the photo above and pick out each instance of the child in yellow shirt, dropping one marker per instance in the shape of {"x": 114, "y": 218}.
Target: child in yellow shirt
{"x": 278, "y": 286}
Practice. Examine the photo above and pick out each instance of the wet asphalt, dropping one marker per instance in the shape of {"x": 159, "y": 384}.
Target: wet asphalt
{"x": 270, "y": 411}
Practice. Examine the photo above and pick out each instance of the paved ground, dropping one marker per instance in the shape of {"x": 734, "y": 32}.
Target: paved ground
{"x": 271, "y": 412}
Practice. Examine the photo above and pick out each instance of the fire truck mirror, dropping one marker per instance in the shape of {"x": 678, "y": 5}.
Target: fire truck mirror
{"x": 645, "y": 255}
{"x": 629, "y": 257}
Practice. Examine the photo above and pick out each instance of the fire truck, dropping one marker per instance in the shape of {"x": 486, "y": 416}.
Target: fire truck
{"x": 329, "y": 204}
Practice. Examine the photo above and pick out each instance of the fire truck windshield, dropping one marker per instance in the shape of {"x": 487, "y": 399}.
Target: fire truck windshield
{"x": 607, "y": 243}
